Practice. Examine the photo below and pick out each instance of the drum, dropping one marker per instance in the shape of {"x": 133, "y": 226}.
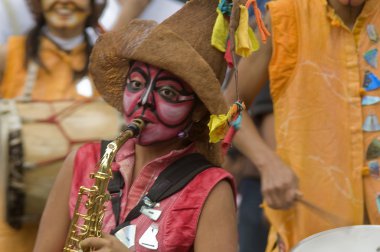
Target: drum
{"x": 35, "y": 138}
{"x": 363, "y": 238}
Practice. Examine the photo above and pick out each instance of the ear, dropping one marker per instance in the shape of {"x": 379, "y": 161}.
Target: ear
{"x": 199, "y": 112}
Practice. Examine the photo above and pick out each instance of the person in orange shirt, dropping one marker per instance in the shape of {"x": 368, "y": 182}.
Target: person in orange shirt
{"x": 321, "y": 62}
{"x": 45, "y": 65}
{"x": 49, "y": 62}
{"x": 66, "y": 42}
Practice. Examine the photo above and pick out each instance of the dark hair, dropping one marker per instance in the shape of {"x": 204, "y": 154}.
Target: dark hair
{"x": 33, "y": 40}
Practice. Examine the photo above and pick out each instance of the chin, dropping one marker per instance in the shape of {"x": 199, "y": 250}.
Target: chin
{"x": 144, "y": 141}
{"x": 151, "y": 141}
{"x": 155, "y": 139}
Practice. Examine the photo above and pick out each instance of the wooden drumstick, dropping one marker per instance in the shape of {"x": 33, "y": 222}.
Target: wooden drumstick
{"x": 332, "y": 218}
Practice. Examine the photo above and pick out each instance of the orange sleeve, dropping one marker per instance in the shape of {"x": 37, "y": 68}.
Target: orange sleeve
{"x": 14, "y": 71}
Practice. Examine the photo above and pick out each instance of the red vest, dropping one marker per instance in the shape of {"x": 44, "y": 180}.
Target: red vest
{"x": 178, "y": 221}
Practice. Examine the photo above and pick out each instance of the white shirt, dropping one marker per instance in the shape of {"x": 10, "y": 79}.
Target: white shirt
{"x": 157, "y": 10}
{"x": 15, "y": 18}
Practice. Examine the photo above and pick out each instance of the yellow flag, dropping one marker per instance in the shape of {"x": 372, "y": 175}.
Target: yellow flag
{"x": 218, "y": 126}
{"x": 245, "y": 39}
{"x": 220, "y": 32}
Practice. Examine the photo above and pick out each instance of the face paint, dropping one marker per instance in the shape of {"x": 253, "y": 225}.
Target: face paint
{"x": 68, "y": 14}
{"x": 162, "y": 100}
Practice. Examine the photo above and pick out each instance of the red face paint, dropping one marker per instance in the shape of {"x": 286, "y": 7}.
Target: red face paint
{"x": 162, "y": 100}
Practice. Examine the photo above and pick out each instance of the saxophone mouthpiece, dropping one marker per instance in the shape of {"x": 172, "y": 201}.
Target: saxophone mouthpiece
{"x": 136, "y": 126}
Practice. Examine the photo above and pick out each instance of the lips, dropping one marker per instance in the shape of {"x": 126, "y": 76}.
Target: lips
{"x": 146, "y": 115}
{"x": 65, "y": 9}
{"x": 63, "y": 12}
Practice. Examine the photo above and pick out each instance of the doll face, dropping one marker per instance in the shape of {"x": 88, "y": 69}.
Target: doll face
{"x": 66, "y": 14}
{"x": 161, "y": 99}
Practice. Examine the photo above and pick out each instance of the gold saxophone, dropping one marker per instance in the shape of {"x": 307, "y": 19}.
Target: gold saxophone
{"x": 97, "y": 195}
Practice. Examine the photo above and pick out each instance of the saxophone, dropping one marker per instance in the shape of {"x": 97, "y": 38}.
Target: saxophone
{"x": 97, "y": 195}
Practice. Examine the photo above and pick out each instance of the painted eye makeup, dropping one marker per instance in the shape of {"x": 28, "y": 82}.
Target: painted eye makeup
{"x": 172, "y": 90}
{"x": 136, "y": 80}
{"x": 171, "y": 95}
{"x": 168, "y": 93}
{"x": 135, "y": 86}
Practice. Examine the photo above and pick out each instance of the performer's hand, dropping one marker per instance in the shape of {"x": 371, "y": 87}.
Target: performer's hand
{"x": 279, "y": 185}
{"x": 108, "y": 243}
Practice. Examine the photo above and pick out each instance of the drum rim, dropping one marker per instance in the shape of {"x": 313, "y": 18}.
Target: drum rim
{"x": 322, "y": 233}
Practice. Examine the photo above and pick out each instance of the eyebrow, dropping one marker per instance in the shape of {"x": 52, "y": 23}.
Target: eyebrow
{"x": 165, "y": 77}
{"x": 140, "y": 71}
{"x": 172, "y": 78}
{"x": 183, "y": 90}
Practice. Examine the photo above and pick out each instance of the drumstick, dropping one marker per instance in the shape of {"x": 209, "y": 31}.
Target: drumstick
{"x": 332, "y": 218}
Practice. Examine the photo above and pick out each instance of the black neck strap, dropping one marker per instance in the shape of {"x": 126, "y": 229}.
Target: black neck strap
{"x": 171, "y": 180}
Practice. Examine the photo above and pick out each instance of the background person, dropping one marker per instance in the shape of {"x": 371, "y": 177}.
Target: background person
{"x": 44, "y": 65}
{"x": 252, "y": 224}
{"x": 321, "y": 66}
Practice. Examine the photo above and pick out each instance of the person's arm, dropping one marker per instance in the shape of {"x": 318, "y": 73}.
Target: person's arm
{"x": 217, "y": 227}
{"x": 130, "y": 9}
{"x": 3, "y": 55}
{"x": 55, "y": 219}
{"x": 278, "y": 182}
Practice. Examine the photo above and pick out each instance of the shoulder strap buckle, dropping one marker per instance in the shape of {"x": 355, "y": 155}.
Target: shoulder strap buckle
{"x": 148, "y": 202}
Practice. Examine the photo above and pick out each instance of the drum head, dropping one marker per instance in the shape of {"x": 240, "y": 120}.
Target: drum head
{"x": 47, "y": 132}
{"x": 364, "y": 238}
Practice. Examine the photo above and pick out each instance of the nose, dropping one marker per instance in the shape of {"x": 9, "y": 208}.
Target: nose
{"x": 147, "y": 98}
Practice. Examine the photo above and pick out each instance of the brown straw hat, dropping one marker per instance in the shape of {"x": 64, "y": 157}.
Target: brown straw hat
{"x": 180, "y": 45}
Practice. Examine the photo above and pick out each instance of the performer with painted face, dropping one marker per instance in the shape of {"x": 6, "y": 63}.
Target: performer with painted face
{"x": 169, "y": 77}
